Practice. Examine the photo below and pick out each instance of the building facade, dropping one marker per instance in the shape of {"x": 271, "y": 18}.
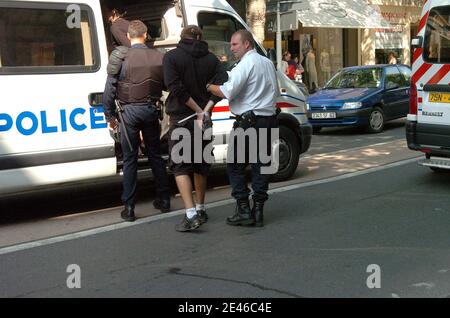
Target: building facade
{"x": 332, "y": 48}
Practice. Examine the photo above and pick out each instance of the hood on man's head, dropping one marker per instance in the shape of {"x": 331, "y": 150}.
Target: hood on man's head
{"x": 195, "y": 48}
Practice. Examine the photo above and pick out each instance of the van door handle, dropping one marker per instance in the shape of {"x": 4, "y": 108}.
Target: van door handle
{"x": 96, "y": 99}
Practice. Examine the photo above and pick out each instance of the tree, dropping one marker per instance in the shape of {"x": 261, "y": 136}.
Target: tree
{"x": 256, "y": 18}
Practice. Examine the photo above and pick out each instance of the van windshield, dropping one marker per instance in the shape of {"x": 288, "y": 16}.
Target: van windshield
{"x": 437, "y": 36}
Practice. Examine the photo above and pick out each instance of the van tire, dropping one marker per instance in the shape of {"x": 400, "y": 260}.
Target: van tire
{"x": 289, "y": 155}
{"x": 376, "y": 121}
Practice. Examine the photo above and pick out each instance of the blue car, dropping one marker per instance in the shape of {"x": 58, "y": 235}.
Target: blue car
{"x": 362, "y": 96}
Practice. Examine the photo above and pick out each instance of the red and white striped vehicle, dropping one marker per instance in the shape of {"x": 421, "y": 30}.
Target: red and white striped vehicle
{"x": 428, "y": 126}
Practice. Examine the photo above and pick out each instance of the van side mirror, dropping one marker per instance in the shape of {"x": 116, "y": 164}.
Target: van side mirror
{"x": 417, "y": 42}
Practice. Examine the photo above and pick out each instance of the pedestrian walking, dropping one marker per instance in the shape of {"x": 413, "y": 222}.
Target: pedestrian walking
{"x": 251, "y": 89}
{"x": 132, "y": 91}
{"x": 187, "y": 71}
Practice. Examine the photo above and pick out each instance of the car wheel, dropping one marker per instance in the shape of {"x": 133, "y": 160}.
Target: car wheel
{"x": 316, "y": 129}
{"x": 289, "y": 154}
{"x": 376, "y": 120}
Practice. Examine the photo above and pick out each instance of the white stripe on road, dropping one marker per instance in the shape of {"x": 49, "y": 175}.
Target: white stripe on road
{"x": 151, "y": 219}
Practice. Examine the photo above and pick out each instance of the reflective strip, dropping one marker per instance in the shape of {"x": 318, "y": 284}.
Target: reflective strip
{"x": 420, "y": 72}
{"x": 222, "y": 109}
{"x": 439, "y": 75}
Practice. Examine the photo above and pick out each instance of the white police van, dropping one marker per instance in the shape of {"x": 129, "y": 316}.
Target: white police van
{"x": 428, "y": 125}
{"x": 53, "y": 58}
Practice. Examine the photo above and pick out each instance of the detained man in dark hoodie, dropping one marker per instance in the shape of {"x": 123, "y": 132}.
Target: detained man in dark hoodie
{"x": 187, "y": 70}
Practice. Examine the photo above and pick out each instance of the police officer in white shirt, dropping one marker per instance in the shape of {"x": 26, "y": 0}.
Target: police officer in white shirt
{"x": 251, "y": 89}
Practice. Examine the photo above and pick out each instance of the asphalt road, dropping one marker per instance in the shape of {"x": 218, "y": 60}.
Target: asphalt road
{"x": 318, "y": 242}
{"x": 104, "y": 194}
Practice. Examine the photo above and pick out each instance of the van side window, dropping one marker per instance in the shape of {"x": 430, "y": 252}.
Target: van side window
{"x": 437, "y": 36}
{"x": 38, "y": 38}
{"x": 217, "y": 31}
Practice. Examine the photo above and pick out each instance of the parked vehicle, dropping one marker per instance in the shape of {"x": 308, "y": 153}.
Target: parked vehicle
{"x": 53, "y": 59}
{"x": 361, "y": 96}
{"x": 428, "y": 125}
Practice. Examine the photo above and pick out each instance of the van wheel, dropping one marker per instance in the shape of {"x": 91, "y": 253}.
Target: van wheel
{"x": 376, "y": 120}
{"x": 289, "y": 150}
{"x": 316, "y": 129}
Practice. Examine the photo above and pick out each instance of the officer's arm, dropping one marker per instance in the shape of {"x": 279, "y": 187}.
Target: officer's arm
{"x": 114, "y": 67}
{"x": 237, "y": 80}
{"x": 109, "y": 96}
{"x": 215, "y": 90}
{"x": 220, "y": 77}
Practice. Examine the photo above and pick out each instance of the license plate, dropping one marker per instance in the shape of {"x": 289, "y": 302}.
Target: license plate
{"x": 439, "y": 98}
{"x": 323, "y": 115}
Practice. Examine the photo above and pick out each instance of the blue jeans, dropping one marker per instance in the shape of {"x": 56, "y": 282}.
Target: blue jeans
{"x": 236, "y": 171}
{"x": 145, "y": 119}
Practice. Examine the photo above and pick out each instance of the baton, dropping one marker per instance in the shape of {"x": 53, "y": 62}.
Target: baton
{"x": 187, "y": 118}
{"x": 119, "y": 111}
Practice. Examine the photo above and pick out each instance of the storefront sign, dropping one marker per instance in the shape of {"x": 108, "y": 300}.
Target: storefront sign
{"x": 389, "y": 38}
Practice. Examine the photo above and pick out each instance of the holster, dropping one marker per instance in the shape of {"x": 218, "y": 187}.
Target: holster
{"x": 245, "y": 121}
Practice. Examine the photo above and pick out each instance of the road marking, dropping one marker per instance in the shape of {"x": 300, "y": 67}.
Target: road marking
{"x": 151, "y": 219}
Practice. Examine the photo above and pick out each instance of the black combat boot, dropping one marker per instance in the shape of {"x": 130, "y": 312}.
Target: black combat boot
{"x": 128, "y": 213}
{"x": 258, "y": 213}
{"x": 162, "y": 204}
{"x": 243, "y": 215}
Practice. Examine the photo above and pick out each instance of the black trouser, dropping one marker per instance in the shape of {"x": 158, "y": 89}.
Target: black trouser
{"x": 236, "y": 170}
{"x": 145, "y": 119}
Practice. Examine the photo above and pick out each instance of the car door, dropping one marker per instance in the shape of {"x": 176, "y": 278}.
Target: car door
{"x": 394, "y": 95}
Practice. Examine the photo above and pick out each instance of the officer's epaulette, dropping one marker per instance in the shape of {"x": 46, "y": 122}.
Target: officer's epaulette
{"x": 115, "y": 60}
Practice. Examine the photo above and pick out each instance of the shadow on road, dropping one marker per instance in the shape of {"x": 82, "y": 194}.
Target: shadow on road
{"x": 84, "y": 197}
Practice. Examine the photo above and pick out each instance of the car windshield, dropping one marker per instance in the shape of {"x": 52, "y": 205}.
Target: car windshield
{"x": 356, "y": 78}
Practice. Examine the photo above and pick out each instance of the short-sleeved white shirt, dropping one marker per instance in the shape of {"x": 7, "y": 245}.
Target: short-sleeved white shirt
{"x": 252, "y": 85}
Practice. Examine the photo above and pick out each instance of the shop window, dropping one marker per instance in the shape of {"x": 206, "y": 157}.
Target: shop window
{"x": 37, "y": 38}
{"x": 437, "y": 36}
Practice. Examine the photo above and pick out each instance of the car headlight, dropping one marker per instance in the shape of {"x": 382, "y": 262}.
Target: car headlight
{"x": 307, "y": 107}
{"x": 354, "y": 105}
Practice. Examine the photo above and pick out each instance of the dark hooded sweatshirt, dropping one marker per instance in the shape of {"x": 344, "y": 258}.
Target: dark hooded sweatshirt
{"x": 187, "y": 70}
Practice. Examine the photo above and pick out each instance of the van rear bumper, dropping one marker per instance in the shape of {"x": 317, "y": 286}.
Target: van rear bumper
{"x": 429, "y": 138}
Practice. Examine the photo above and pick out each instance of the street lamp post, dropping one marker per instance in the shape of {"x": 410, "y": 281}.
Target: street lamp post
{"x": 278, "y": 39}
{"x": 278, "y": 36}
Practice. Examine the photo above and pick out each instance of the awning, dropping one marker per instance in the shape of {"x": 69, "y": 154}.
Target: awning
{"x": 352, "y": 14}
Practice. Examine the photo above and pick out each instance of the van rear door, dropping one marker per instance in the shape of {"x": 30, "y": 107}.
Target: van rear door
{"x": 432, "y": 69}
{"x": 52, "y": 57}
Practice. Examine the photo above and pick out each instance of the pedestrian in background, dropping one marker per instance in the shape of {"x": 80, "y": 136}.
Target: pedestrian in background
{"x": 135, "y": 81}
{"x": 251, "y": 89}
{"x": 391, "y": 58}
